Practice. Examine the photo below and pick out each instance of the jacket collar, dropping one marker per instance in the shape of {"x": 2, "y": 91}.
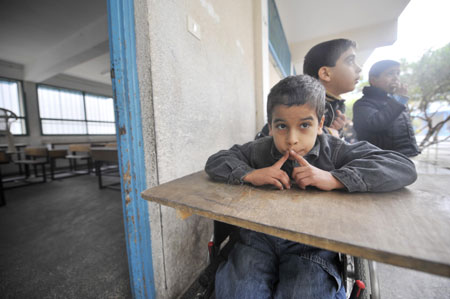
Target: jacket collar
{"x": 372, "y": 91}
{"x": 330, "y": 98}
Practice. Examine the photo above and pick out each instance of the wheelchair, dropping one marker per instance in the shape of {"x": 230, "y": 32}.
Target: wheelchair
{"x": 354, "y": 270}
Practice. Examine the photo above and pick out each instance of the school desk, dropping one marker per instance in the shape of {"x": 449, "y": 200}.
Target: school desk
{"x": 409, "y": 227}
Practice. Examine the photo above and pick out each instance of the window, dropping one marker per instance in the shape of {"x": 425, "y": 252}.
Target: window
{"x": 11, "y": 98}
{"x": 70, "y": 112}
{"x": 278, "y": 45}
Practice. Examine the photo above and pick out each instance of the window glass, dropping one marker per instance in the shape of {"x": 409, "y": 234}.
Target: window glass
{"x": 69, "y": 112}
{"x": 60, "y": 103}
{"x": 11, "y": 99}
{"x": 99, "y": 108}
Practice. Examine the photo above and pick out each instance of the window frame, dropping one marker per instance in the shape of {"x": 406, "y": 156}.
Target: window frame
{"x": 85, "y": 120}
{"x": 22, "y": 98}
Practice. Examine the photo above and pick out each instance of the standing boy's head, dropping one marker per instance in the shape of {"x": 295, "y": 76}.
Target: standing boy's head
{"x": 385, "y": 74}
{"x": 334, "y": 63}
{"x": 295, "y": 108}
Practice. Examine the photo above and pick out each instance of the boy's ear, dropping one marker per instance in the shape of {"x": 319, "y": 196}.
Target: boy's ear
{"x": 324, "y": 74}
{"x": 320, "y": 128}
{"x": 270, "y": 129}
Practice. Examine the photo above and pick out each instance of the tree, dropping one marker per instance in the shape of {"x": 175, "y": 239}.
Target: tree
{"x": 428, "y": 83}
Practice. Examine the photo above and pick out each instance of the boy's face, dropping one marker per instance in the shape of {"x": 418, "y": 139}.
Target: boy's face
{"x": 389, "y": 80}
{"x": 342, "y": 77}
{"x": 295, "y": 128}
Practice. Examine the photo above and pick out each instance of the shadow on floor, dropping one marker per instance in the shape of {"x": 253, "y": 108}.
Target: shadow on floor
{"x": 63, "y": 239}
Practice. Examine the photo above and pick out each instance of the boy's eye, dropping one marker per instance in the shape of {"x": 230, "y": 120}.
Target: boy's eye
{"x": 281, "y": 126}
{"x": 305, "y": 125}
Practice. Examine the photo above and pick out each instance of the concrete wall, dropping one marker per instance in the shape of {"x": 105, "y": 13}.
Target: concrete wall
{"x": 197, "y": 97}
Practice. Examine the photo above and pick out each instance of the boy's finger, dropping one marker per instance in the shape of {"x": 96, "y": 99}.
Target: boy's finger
{"x": 280, "y": 162}
{"x": 301, "y": 176}
{"x": 276, "y": 183}
{"x": 299, "y": 158}
{"x": 284, "y": 179}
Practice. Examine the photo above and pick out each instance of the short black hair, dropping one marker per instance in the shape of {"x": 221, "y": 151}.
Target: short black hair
{"x": 380, "y": 66}
{"x": 325, "y": 54}
{"x": 297, "y": 90}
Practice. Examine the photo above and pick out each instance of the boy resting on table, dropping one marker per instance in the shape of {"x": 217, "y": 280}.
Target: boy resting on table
{"x": 263, "y": 266}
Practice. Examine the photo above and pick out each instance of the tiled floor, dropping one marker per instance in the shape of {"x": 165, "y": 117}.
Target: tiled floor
{"x": 63, "y": 239}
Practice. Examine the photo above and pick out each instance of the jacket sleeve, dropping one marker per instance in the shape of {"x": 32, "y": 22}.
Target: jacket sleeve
{"x": 363, "y": 167}
{"x": 372, "y": 118}
{"x": 231, "y": 165}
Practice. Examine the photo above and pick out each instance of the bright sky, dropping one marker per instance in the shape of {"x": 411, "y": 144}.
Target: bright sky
{"x": 423, "y": 25}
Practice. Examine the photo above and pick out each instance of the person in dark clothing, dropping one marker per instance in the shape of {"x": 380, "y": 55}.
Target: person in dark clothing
{"x": 381, "y": 116}
{"x": 263, "y": 266}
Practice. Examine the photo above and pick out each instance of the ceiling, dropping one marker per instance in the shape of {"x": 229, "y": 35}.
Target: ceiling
{"x": 51, "y": 37}
{"x": 371, "y": 24}
{"x": 333, "y": 17}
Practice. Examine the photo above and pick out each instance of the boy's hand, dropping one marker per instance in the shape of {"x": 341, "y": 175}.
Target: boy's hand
{"x": 339, "y": 121}
{"x": 402, "y": 89}
{"x": 272, "y": 175}
{"x": 308, "y": 175}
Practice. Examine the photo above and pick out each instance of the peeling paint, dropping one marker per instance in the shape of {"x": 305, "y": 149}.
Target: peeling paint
{"x": 126, "y": 182}
{"x": 122, "y": 130}
{"x": 126, "y": 175}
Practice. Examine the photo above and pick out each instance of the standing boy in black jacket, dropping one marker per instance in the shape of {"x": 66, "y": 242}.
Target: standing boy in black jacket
{"x": 381, "y": 115}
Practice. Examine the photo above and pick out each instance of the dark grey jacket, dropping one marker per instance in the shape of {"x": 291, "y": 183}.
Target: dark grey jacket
{"x": 360, "y": 167}
{"x": 384, "y": 122}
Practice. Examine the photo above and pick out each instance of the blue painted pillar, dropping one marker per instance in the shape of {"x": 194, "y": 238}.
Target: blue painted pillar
{"x": 122, "y": 46}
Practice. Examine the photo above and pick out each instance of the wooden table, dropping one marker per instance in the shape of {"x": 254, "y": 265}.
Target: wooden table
{"x": 101, "y": 155}
{"x": 18, "y": 146}
{"x": 409, "y": 227}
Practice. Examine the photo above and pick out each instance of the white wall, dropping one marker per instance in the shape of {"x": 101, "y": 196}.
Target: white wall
{"x": 197, "y": 97}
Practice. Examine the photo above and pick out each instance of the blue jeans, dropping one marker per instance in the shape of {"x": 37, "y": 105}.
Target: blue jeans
{"x": 262, "y": 266}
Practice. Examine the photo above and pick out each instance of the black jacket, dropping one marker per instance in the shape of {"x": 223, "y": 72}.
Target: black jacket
{"x": 332, "y": 104}
{"x": 384, "y": 122}
{"x": 360, "y": 167}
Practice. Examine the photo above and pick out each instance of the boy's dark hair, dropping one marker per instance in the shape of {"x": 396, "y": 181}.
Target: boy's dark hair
{"x": 380, "y": 66}
{"x": 325, "y": 54}
{"x": 297, "y": 90}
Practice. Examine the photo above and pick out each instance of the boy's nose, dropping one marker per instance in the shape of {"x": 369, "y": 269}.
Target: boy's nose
{"x": 358, "y": 68}
{"x": 292, "y": 139}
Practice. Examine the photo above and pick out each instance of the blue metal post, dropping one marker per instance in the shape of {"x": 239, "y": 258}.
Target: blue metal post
{"x": 130, "y": 146}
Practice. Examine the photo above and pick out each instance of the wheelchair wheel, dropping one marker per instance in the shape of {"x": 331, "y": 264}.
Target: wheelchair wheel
{"x": 365, "y": 271}
{"x": 374, "y": 285}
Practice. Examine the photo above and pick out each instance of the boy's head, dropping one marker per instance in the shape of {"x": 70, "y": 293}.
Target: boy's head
{"x": 295, "y": 108}
{"x": 385, "y": 75}
{"x": 333, "y": 63}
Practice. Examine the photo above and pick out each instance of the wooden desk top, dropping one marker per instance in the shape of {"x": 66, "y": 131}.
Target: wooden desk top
{"x": 106, "y": 154}
{"x": 409, "y": 227}
{"x": 18, "y": 145}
